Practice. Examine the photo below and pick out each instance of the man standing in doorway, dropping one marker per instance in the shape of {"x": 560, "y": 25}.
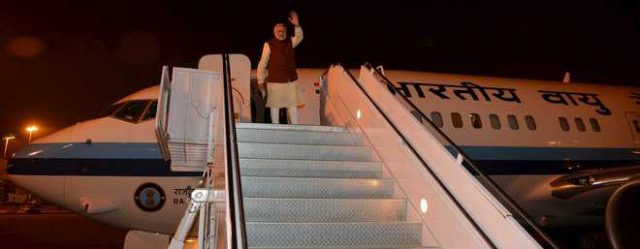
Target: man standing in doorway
{"x": 277, "y": 69}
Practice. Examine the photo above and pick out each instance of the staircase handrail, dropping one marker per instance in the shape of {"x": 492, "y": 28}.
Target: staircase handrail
{"x": 457, "y": 152}
{"x": 235, "y": 206}
{"x": 162, "y": 114}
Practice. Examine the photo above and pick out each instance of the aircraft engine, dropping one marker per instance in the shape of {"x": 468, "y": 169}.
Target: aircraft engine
{"x": 622, "y": 218}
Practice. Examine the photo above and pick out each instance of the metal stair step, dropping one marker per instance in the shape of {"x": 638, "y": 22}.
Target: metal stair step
{"x": 292, "y": 187}
{"x": 188, "y": 154}
{"x": 310, "y": 168}
{"x": 305, "y": 152}
{"x": 299, "y": 137}
{"x": 410, "y": 247}
{"x": 331, "y": 235}
{"x": 324, "y": 210}
{"x": 318, "y": 187}
{"x": 265, "y": 126}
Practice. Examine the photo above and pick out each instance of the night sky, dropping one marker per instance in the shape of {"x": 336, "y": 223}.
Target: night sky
{"x": 65, "y": 61}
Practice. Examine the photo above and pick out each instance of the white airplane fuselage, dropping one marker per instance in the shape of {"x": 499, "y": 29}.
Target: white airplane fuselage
{"x": 112, "y": 170}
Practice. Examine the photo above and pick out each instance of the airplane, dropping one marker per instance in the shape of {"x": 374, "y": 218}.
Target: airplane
{"x": 560, "y": 150}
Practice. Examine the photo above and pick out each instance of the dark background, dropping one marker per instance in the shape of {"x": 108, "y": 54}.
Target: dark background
{"x": 65, "y": 61}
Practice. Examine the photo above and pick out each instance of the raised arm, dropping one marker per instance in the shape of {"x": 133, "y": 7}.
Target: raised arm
{"x": 298, "y": 35}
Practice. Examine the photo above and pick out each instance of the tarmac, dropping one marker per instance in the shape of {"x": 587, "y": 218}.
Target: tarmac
{"x": 24, "y": 226}
{"x": 54, "y": 228}
{"x": 25, "y": 209}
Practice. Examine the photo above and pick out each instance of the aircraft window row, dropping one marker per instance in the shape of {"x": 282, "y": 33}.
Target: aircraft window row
{"x": 564, "y": 124}
{"x": 580, "y": 124}
{"x": 456, "y": 119}
{"x": 134, "y": 110}
{"x": 513, "y": 122}
{"x": 531, "y": 122}
{"x": 594, "y": 124}
{"x": 476, "y": 121}
{"x": 436, "y": 118}
{"x": 495, "y": 121}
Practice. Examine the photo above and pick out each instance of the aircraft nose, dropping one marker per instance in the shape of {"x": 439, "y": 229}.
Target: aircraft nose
{"x": 36, "y": 175}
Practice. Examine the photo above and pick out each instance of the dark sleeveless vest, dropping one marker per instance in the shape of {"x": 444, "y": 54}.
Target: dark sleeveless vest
{"x": 282, "y": 64}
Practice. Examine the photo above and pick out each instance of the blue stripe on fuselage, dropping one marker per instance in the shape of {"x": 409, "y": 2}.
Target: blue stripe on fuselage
{"x": 493, "y": 153}
{"x": 93, "y": 167}
{"x": 92, "y": 159}
{"x": 92, "y": 151}
{"x": 144, "y": 159}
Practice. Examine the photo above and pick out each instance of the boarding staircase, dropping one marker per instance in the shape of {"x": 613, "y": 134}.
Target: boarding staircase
{"x": 372, "y": 177}
{"x": 318, "y": 187}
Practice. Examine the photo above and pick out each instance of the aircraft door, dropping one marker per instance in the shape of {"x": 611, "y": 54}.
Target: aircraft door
{"x": 633, "y": 119}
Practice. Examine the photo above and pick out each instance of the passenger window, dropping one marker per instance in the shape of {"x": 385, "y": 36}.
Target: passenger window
{"x": 475, "y": 120}
{"x": 151, "y": 111}
{"x": 595, "y": 125}
{"x": 495, "y": 121}
{"x": 417, "y": 116}
{"x": 456, "y": 118}
{"x": 580, "y": 124}
{"x": 513, "y": 122}
{"x": 531, "y": 122}
{"x": 436, "y": 118}
{"x": 564, "y": 124}
{"x": 132, "y": 110}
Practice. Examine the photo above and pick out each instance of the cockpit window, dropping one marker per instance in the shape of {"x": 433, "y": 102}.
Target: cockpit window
{"x": 151, "y": 111}
{"x": 132, "y": 110}
{"x": 109, "y": 111}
